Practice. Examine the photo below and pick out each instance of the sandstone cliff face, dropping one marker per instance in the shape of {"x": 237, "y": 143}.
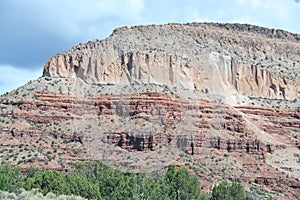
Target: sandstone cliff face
{"x": 232, "y": 78}
{"x": 206, "y": 57}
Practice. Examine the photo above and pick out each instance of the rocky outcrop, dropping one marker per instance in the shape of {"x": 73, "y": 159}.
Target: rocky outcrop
{"x": 157, "y": 108}
{"x": 212, "y": 60}
{"x": 232, "y": 78}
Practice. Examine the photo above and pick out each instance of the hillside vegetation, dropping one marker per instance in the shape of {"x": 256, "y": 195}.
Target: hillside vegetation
{"x": 96, "y": 180}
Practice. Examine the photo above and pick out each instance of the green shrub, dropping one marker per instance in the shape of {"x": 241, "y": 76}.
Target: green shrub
{"x": 225, "y": 191}
{"x": 10, "y": 177}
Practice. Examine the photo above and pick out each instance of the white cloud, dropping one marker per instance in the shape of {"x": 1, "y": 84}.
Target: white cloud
{"x": 256, "y": 3}
{"x": 136, "y": 7}
{"x": 247, "y": 20}
{"x": 240, "y": 2}
{"x": 12, "y": 77}
{"x": 193, "y": 15}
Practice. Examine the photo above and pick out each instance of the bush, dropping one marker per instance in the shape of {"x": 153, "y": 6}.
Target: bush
{"x": 234, "y": 191}
{"x": 58, "y": 183}
{"x": 10, "y": 177}
{"x": 181, "y": 185}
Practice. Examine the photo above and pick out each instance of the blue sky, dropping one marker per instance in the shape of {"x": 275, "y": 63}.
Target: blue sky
{"x": 33, "y": 31}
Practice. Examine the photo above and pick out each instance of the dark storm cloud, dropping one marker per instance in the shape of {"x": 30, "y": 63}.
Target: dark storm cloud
{"x": 32, "y": 31}
{"x": 24, "y": 42}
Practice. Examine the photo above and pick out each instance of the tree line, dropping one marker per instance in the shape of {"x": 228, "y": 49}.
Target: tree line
{"x": 96, "y": 180}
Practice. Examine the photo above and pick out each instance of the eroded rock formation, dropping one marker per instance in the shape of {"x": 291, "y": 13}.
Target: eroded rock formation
{"x": 213, "y": 60}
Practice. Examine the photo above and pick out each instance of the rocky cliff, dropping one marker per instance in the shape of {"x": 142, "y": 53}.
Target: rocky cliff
{"x": 192, "y": 56}
{"x": 219, "y": 99}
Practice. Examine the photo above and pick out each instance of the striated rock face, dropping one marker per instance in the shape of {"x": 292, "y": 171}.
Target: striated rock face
{"x": 120, "y": 126}
{"x": 219, "y": 99}
{"x": 232, "y": 78}
{"x": 191, "y": 56}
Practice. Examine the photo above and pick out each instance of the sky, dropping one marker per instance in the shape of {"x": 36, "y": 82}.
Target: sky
{"x": 33, "y": 31}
